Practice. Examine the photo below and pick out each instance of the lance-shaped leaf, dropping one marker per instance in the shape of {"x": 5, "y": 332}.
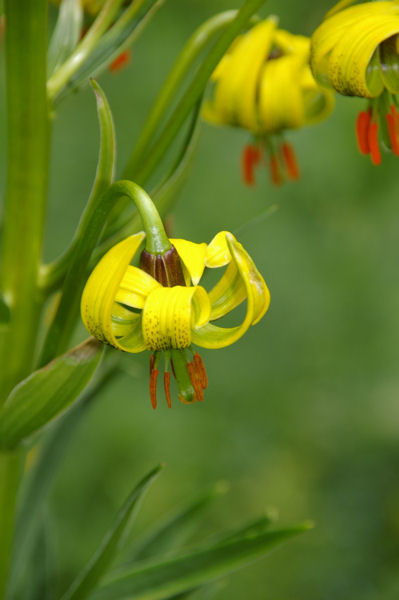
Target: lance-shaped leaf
{"x": 47, "y": 392}
{"x": 4, "y": 311}
{"x": 91, "y": 224}
{"x": 157, "y": 580}
{"x": 66, "y": 33}
{"x": 39, "y": 478}
{"x": 173, "y": 531}
{"x": 103, "y": 557}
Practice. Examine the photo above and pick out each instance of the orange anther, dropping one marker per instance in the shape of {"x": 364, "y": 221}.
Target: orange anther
{"x": 373, "y": 144}
{"x": 290, "y": 161}
{"x": 153, "y": 387}
{"x": 196, "y": 383}
{"x": 275, "y": 174}
{"x": 392, "y": 122}
{"x": 120, "y": 61}
{"x": 166, "y": 385}
{"x": 201, "y": 370}
{"x": 251, "y": 156}
{"x": 362, "y": 131}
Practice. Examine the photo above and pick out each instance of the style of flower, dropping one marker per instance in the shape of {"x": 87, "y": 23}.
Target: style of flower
{"x": 160, "y": 306}
{"x": 264, "y": 84}
{"x": 355, "y": 50}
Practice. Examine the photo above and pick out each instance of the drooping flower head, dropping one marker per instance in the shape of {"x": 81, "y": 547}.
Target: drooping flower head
{"x": 355, "y": 50}
{"x": 161, "y": 307}
{"x": 264, "y": 84}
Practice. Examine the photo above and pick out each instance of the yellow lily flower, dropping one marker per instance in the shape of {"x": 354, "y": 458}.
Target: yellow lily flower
{"x": 160, "y": 307}
{"x": 264, "y": 84}
{"x": 356, "y": 51}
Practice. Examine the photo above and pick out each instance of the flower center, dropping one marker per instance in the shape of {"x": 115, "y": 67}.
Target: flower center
{"x": 170, "y": 313}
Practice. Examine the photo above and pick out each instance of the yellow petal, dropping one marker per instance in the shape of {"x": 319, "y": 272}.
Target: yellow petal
{"x": 228, "y": 293}
{"x": 193, "y": 257}
{"x": 258, "y": 300}
{"x": 170, "y": 313}
{"x": 218, "y": 253}
{"x": 135, "y": 287}
{"x": 344, "y": 48}
{"x": 98, "y": 298}
{"x": 236, "y": 88}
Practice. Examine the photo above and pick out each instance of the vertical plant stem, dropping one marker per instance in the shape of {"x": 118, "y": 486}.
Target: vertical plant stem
{"x": 24, "y": 211}
{"x": 26, "y": 191}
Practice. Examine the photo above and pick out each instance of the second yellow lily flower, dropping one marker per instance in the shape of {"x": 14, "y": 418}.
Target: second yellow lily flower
{"x": 264, "y": 84}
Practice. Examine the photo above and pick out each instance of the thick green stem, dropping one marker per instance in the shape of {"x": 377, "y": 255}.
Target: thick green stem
{"x": 87, "y": 236}
{"x": 10, "y": 472}
{"x": 194, "y": 91}
{"x": 24, "y": 212}
{"x": 26, "y": 192}
{"x": 194, "y": 46}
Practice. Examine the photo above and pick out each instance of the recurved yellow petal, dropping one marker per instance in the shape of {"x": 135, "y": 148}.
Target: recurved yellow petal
{"x": 218, "y": 253}
{"x": 235, "y": 93}
{"x": 135, "y": 287}
{"x": 345, "y": 49}
{"x": 170, "y": 313}
{"x": 258, "y": 300}
{"x": 99, "y": 295}
{"x": 193, "y": 257}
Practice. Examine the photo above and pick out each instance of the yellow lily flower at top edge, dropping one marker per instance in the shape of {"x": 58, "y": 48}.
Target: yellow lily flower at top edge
{"x": 356, "y": 51}
{"x": 264, "y": 84}
{"x": 167, "y": 311}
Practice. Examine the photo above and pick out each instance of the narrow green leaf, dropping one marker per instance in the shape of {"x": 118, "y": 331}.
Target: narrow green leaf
{"x": 173, "y": 531}
{"x": 39, "y": 478}
{"x": 103, "y": 557}
{"x": 155, "y": 581}
{"x": 65, "y": 35}
{"x": 89, "y": 229}
{"x": 113, "y": 42}
{"x": 4, "y": 311}
{"x": 47, "y": 392}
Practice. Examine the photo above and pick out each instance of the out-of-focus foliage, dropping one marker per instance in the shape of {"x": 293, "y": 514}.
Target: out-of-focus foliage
{"x": 303, "y": 412}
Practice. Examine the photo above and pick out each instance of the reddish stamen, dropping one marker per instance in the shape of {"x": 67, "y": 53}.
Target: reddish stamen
{"x": 153, "y": 387}
{"x": 290, "y": 160}
{"x": 275, "y": 174}
{"x": 392, "y": 121}
{"x": 251, "y": 156}
{"x": 152, "y": 363}
{"x": 362, "y": 131}
{"x": 166, "y": 385}
{"x": 195, "y": 380}
{"x": 201, "y": 370}
{"x": 120, "y": 62}
{"x": 373, "y": 144}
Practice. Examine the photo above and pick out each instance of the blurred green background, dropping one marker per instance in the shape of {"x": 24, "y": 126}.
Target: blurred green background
{"x": 302, "y": 414}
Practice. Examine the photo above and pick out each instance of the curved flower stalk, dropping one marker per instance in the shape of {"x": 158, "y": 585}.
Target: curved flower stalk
{"x": 356, "y": 52}
{"x": 264, "y": 84}
{"x": 162, "y": 308}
